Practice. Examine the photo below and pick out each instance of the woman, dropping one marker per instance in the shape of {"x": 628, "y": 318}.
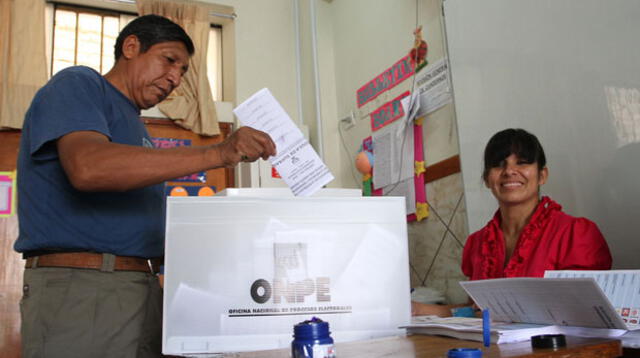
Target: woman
{"x": 528, "y": 233}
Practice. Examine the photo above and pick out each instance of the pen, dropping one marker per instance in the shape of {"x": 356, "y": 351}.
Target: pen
{"x": 486, "y": 327}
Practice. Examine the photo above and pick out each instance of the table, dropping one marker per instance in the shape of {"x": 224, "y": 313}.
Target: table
{"x": 422, "y": 346}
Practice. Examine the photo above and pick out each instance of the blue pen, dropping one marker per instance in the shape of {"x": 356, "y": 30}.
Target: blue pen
{"x": 486, "y": 327}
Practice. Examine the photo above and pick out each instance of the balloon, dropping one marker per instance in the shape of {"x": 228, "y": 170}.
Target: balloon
{"x": 364, "y": 162}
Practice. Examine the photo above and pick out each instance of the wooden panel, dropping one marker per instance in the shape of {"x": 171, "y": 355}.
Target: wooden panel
{"x": 9, "y": 143}
{"x": 442, "y": 169}
{"x": 162, "y": 128}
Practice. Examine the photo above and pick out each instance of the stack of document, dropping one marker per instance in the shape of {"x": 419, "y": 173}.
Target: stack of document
{"x": 470, "y": 329}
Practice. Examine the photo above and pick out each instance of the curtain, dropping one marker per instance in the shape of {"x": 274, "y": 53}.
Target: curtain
{"x": 23, "y": 64}
{"x": 191, "y": 104}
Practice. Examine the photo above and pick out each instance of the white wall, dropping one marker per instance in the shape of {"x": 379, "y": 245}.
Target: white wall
{"x": 569, "y": 73}
{"x": 265, "y": 54}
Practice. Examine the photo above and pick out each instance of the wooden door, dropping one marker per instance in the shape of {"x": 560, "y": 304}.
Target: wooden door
{"x": 11, "y": 263}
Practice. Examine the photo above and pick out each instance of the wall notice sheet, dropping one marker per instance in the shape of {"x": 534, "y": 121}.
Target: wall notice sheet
{"x": 622, "y": 288}
{"x": 558, "y": 301}
{"x": 296, "y": 161}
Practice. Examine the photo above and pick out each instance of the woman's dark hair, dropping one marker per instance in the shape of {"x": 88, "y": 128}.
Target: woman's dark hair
{"x": 151, "y": 30}
{"x": 512, "y": 141}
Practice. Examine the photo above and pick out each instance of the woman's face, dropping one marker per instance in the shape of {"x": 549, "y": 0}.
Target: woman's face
{"x": 515, "y": 181}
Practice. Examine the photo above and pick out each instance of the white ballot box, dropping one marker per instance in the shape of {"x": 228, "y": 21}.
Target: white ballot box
{"x": 242, "y": 270}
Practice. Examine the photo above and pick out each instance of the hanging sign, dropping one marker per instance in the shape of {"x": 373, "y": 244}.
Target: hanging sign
{"x": 388, "y": 112}
{"x": 385, "y": 81}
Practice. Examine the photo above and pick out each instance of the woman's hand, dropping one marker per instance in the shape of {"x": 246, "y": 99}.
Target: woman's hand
{"x": 426, "y": 309}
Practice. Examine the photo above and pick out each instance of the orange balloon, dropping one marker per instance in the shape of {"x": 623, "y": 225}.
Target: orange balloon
{"x": 206, "y": 191}
{"x": 362, "y": 163}
{"x": 178, "y": 191}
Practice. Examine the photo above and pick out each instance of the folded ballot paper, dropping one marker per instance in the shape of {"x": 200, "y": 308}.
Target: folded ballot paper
{"x": 296, "y": 161}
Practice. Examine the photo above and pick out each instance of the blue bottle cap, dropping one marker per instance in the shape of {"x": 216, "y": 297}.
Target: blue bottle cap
{"x": 464, "y": 353}
{"x": 312, "y": 328}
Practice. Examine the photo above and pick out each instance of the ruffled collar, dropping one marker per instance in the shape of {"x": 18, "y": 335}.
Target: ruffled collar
{"x": 493, "y": 250}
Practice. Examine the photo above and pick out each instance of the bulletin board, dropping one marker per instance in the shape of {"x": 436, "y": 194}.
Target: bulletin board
{"x": 167, "y": 131}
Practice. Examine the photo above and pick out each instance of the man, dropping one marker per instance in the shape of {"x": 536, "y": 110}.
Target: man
{"x": 91, "y": 200}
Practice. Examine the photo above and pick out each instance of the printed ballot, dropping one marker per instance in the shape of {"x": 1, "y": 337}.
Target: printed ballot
{"x": 622, "y": 288}
{"x": 576, "y": 303}
{"x": 552, "y": 301}
{"x": 296, "y": 161}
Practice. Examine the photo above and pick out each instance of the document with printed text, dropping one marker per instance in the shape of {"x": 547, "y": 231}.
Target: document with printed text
{"x": 554, "y": 301}
{"x": 296, "y": 161}
{"x": 622, "y": 288}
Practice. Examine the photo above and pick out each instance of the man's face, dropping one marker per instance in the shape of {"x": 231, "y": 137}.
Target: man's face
{"x": 155, "y": 73}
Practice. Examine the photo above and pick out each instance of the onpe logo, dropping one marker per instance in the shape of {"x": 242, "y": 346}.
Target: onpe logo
{"x": 293, "y": 292}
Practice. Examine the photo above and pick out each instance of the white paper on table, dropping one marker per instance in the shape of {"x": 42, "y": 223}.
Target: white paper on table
{"x": 622, "y": 288}
{"x": 296, "y": 161}
{"x": 404, "y": 188}
{"x": 433, "y": 87}
{"x": 393, "y": 151}
{"x": 568, "y": 302}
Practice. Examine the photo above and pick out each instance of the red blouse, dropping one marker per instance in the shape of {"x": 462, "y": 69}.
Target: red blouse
{"x": 552, "y": 240}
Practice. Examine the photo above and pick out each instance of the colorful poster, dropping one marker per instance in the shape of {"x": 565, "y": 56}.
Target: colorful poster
{"x": 170, "y": 142}
{"x": 388, "y": 112}
{"x": 385, "y": 81}
{"x": 8, "y": 193}
{"x": 200, "y": 177}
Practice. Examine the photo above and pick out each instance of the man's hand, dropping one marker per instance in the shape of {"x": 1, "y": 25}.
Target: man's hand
{"x": 246, "y": 145}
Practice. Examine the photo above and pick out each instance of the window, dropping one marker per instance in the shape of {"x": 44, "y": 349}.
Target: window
{"x": 214, "y": 62}
{"x": 87, "y": 36}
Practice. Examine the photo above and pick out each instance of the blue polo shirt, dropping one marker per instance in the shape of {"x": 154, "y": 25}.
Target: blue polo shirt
{"x": 53, "y": 215}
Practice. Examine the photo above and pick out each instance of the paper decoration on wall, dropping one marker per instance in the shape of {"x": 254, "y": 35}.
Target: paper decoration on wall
{"x": 418, "y": 53}
{"x": 385, "y": 81}
{"x": 433, "y": 87}
{"x": 418, "y": 194}
{"x": 200, "y": 177}
{"x": 422, "y": 208}
{"x": 193, "y": 190}
{"x": 8, "y": 193}
{"x": 388, "y": 112}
